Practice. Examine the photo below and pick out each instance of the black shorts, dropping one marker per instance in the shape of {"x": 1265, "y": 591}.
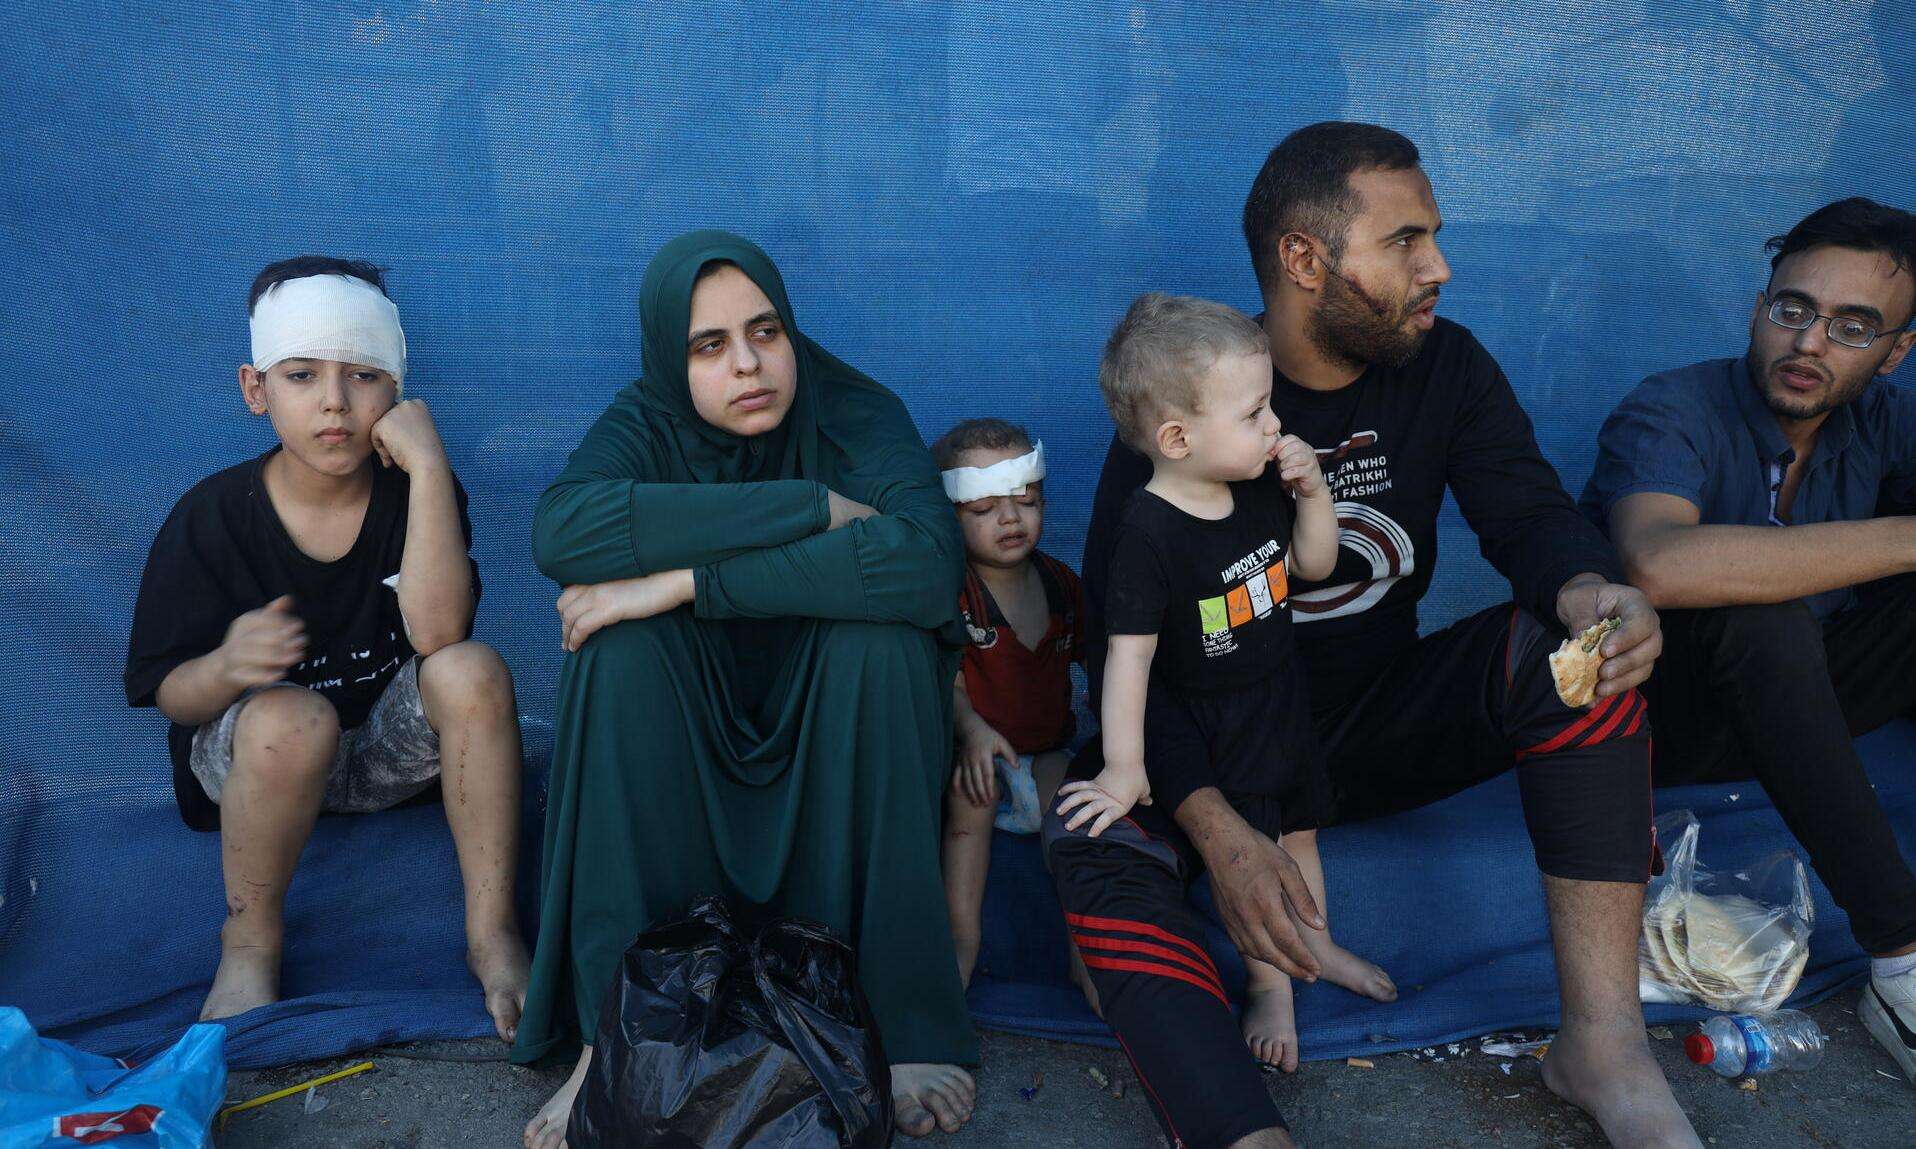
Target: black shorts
{"x": 1257, "y": 742}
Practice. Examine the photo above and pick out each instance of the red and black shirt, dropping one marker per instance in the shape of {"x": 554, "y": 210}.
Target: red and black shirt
{"x": 1024, "y": 692}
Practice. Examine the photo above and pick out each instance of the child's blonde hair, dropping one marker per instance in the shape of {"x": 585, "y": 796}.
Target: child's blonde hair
{"x": 1156, "y": 359}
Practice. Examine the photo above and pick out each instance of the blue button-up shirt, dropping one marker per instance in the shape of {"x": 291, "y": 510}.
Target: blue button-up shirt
{"x": 1704, "y": 434}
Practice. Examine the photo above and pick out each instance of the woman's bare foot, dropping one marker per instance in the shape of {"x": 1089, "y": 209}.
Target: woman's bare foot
{"x": 1342, "y": 967}
{"x": 924, "y": 1096}
{"x": 546, "y": 1130}
{"x": 1270, "y": 1023}
{"x": 1612, "y": 1077}
{"x": 248, "y": 978}
{"x": 499, "y": 962}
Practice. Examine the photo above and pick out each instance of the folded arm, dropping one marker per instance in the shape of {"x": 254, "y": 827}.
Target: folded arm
{"x": 1681, "y": 563}
{"x": 609, "y": 516}
{"x": 903, "y": 564}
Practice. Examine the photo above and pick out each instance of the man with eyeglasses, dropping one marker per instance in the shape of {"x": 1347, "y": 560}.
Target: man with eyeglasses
{"x": 1743, "y": 496}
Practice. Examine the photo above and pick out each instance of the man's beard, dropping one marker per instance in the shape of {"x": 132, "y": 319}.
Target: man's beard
{"x": 1352, "y": 326}
{"x": 1786, "y": 405}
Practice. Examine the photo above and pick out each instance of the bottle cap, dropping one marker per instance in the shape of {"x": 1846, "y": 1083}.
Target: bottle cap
{"x": 1699, "y": 1049}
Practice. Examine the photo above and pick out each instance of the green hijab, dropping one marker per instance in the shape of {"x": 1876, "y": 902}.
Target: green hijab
{"x": 843, "y": 429}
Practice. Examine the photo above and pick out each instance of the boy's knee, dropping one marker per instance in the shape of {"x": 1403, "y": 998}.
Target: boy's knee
{"x": 287, "y": 728}
{"x": 465, "y": 674}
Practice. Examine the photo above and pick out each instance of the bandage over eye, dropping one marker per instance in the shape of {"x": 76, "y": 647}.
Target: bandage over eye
{"x": 340, "y": 318}
{"x": 1006, "y": 477}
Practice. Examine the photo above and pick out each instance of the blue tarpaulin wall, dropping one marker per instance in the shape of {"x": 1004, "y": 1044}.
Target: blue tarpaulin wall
{"x": 963, "y": 197}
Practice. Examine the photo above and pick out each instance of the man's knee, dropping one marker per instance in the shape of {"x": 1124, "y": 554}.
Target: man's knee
{"x": 466, "y": 676}
{"x": 1785, "y": 630}
{"x": 287, "y": 733}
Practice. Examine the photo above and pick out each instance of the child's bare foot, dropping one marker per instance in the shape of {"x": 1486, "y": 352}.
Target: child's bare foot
{"x": 1270, "y": 1023}
{"x": 248, "y": 978}
{"x": 547, "y": 1128}
{"x": 924, "y": 1096}
{"x": 499, "y": 962}
{"x": 1342, "y": 967}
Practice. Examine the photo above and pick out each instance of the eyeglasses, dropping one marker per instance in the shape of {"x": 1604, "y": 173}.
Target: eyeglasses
{"x": 1795, "y": 315}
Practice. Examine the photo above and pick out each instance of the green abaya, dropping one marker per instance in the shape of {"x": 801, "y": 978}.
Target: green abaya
{"x": 783, "y": 742}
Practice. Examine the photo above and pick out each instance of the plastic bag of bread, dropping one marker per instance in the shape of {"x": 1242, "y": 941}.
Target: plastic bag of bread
{"x": 1735, "y": 942}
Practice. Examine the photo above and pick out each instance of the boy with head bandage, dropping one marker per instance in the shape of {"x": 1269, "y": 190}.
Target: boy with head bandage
{"x": 1023, "y": 611}
{"x": 303, "y": 620}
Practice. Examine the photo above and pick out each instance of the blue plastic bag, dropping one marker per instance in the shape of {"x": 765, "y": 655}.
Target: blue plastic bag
{"x": 53, "y": 1096}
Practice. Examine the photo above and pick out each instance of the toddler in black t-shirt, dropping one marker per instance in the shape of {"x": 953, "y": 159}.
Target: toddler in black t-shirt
{"x": 1202, "y": 685}
{"x": 303, "y": 620}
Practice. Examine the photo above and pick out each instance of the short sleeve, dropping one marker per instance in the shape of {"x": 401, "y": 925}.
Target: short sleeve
{"x": 182, "y": 610}
{"x": 1138, "y": 589}
{"x": 1656, "y": 441}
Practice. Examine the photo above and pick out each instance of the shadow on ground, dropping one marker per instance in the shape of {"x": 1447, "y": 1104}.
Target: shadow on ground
{"x": 1853, "y": 1099}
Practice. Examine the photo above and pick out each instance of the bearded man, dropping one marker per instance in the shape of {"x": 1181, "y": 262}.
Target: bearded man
{"x": 1400, "y": 406}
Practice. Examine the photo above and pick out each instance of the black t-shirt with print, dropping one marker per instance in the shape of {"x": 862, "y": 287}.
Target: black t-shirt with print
{"x": 1391, "y": 444}
{"x": 1214, "y": 591}
{"x": 223, "y": 552}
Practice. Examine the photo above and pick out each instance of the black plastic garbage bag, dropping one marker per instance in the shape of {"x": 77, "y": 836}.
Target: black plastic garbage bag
{"x": 719, "y": 1036}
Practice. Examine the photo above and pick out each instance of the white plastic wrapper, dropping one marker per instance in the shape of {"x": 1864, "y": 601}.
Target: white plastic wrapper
{"x": 1734, "y": 942}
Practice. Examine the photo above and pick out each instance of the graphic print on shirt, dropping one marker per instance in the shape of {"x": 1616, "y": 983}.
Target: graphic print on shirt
{"x": 356, "y": 664}
{"x": 1263, "y": 588}
{"x": 1379, "y": 543}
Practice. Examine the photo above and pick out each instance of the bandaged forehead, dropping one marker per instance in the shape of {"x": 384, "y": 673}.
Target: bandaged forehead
{"x": 336, "y": 317}
{"x": 1005, "y": 477}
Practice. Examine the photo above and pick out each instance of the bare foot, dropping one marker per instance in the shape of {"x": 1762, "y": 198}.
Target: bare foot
{"x": 1614, "y": 1079}
{"x": 546, "y": 1130}
{"x": 1342, "y": 967}
{"x": 1270, "y": 1025}
{"x": 248, "y": 978}
{"x": 926, "y": 1095}
{"x": 500, "y": 964}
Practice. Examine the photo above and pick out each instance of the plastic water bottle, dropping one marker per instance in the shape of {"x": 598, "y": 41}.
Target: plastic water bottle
{"x": 1739, "y": 1044}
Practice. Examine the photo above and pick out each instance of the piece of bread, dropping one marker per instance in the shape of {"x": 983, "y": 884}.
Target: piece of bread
{"x": 1577, "y": 661}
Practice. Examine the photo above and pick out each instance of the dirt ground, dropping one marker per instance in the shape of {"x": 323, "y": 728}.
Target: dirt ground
{"x": 416, "y": 1099}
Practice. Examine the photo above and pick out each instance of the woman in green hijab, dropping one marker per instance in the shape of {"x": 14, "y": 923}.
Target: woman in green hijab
{"x": 761, "y": 570}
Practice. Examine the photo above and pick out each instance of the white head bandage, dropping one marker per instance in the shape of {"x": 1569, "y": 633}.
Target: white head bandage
{"x": 336, "y": 317}
{"x": 1005, "y": 477}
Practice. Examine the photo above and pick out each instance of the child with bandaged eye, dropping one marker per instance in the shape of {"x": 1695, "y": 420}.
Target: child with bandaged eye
{"x": 304, "y": 621}
{"x": 1024, "y": 614}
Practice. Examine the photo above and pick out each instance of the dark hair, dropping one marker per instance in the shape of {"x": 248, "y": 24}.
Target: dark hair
{"x": 1304, "y": 186}
{"x": 712, "y": 267}
{"x": 301, "y": 266}
{"x": 1856, "y": 223}
{"x": 977, "y": 435}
